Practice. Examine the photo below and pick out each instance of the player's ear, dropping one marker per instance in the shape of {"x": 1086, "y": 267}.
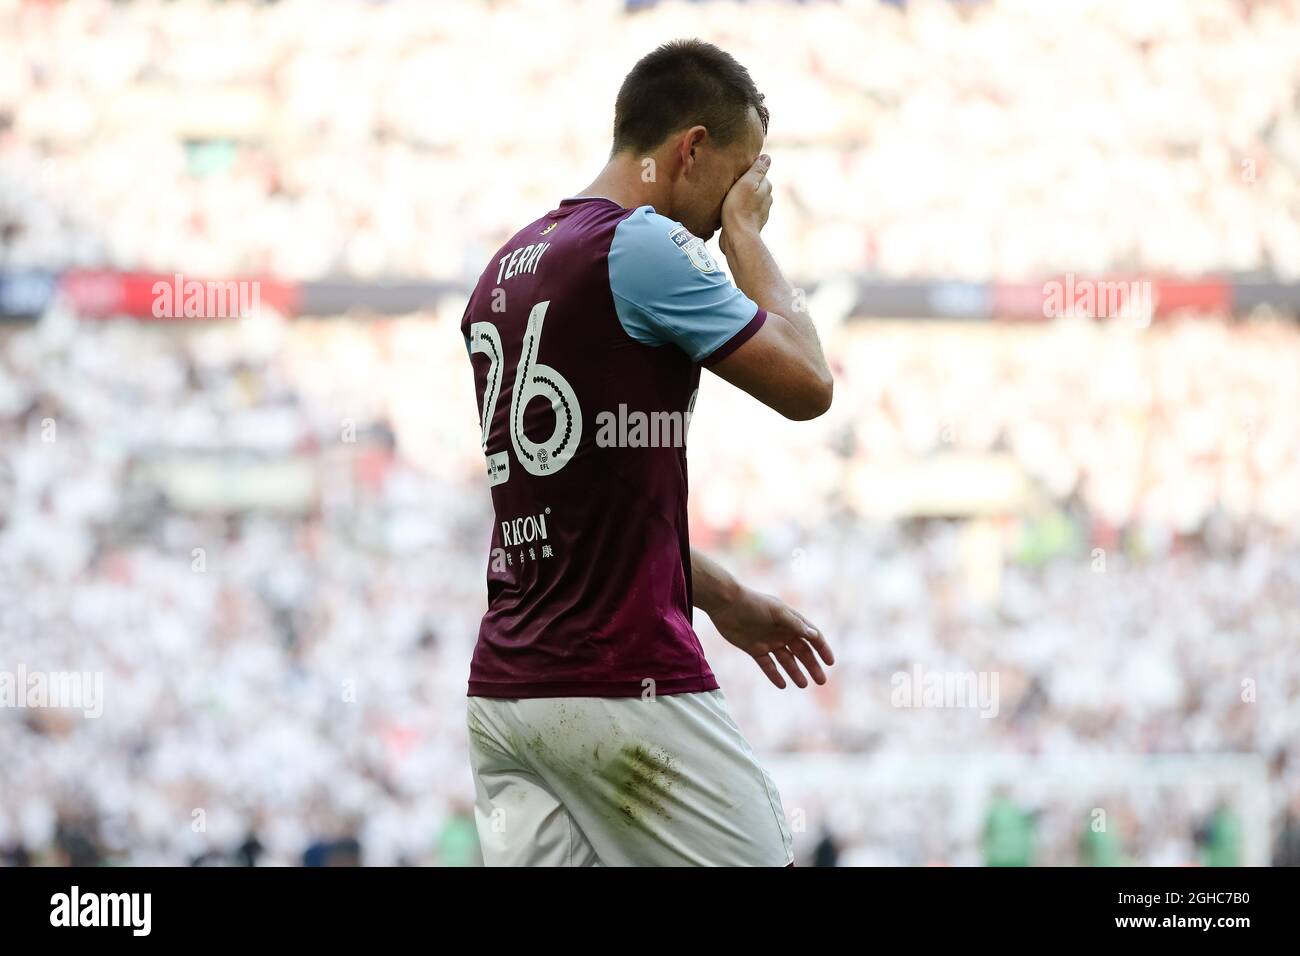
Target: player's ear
{"x": 689, "y": 146}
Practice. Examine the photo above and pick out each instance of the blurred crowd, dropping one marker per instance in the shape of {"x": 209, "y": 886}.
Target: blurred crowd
{"x": 284, "y": 662}
{"x": 269, "y": 537}
{"x": 1007, "y": 139}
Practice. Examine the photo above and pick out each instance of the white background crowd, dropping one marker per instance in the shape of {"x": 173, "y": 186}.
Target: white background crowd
{"x": 1006, "y": 139}
{"x": 307, "y": 674}
{"x": 270, "y": 537}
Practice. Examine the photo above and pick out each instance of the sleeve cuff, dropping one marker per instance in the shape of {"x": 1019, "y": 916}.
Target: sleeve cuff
{"x": 737, "y": 340}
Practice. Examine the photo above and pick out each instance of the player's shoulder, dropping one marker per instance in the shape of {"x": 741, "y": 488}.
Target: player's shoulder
{"x": 651, "y": 243}
{"x": 574, "y": 223}
{"x": 643, "y": 220}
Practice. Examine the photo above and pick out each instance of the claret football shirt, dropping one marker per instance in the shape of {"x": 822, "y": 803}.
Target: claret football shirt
{"x": 587, "y": 332}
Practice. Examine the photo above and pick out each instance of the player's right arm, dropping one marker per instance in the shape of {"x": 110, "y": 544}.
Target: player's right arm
{"x": 782, "y": 365}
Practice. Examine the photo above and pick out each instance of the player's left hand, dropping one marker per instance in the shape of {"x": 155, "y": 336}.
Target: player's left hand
{"x": 747, "y": 203}
{"x": 772, "y": 632}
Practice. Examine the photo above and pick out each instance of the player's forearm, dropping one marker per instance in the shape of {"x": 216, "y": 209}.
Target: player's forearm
{"x": 713, "y": 585}
{"x": 756, "y": 274}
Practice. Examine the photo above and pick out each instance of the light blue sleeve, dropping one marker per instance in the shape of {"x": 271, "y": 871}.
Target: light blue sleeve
{"x": 668, "y": 289}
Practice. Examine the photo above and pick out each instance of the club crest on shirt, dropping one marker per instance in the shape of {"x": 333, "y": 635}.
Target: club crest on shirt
{"x": 694, "y": 248}
{"x": 549, "y": 228}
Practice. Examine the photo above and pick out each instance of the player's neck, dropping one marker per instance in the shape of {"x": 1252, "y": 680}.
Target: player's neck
{"x": 630, "y": 182}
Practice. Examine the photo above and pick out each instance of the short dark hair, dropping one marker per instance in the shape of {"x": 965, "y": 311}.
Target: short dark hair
{"x": 684, "y": 83}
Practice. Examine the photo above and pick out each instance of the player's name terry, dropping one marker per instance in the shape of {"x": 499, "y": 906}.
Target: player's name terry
{"x": 521, "y": 261}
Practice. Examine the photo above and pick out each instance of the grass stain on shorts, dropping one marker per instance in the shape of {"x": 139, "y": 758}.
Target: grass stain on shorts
{"x": 642, "y": 780}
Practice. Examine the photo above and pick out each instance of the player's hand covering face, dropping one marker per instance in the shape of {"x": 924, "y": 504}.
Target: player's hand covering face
{"x": 709, "y": 173}
{"x": 748, "y": 202}
{"x": 772, "y": 632}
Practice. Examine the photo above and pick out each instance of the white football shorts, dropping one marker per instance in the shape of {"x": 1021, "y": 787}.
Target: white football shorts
{"x": 597, "y": 781}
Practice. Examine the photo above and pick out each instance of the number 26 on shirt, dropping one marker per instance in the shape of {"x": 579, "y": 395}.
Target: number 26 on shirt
{"x": 532, "y": 380}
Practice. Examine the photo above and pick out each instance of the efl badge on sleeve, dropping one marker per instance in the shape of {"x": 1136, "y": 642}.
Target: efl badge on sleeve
{"x": 694, "y": 248}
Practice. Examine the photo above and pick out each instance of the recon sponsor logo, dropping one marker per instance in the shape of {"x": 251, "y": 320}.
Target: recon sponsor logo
{"x": 524, "y": 530}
